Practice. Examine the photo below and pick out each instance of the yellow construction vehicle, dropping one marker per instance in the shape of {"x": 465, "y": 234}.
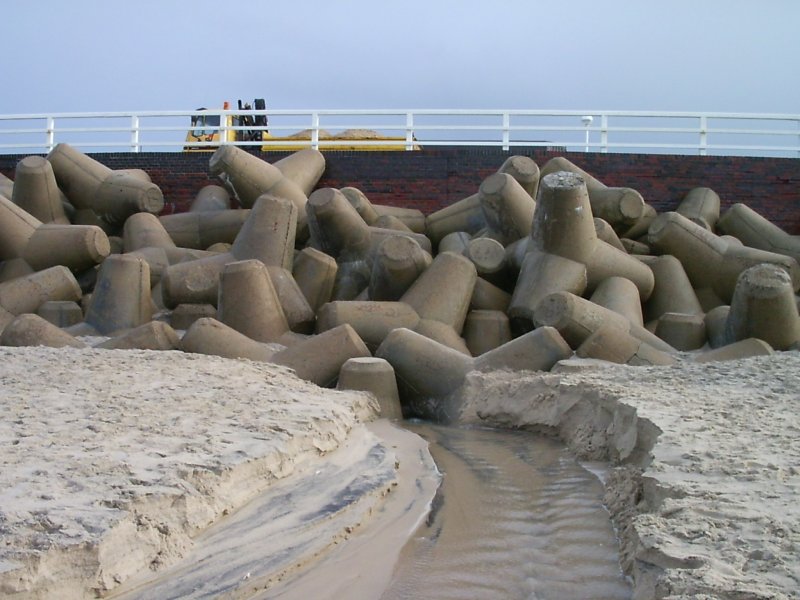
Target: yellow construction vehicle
{"x": 206, "y": 128}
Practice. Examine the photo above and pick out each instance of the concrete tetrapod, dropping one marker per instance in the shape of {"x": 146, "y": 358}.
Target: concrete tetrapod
{"x": 375, "y": 375}
{"x": 202, "y": 229}
{"x": 485, "y": 330}
{"x": 398, "y": 262}
{"x": 489, "y": 258}
{"x": 621, "y": 296}
{"x": 26, "y": 294}
{"x": 16, "y": 228}
{"x": 672, "y": 292}
{"x": 576, "y": 319}
{"x": 112, "y": 195}
{"x": 709, "y": 261}
{"x": 525, "y": 170}
{"x": 682, "y": 332}
{"x": 701, "y": 206}
{"x": 208, "y": 336}
{"x": 315, "y": 274}
{"x": 563, "y": 225}
{"x": 211, "y": 198}
{"x": 77, "y": 247}
{"x": 121, "y": 297}
{"x": 611, "y": 343}
{"x": 755, "y": 231}
{"x": 36, "y": 191}
{"x": 425, "y": 370}
{"x": 61, "y": 313}
{"x": 33, "y": 330}
{"x": 268, "y": 238}
{"x": 620, "y": 207}
{"x": 715, "y": 321}
{"x": 764, "y": 307}
{"x": 249, "y": 303}
{"x": 154, "y": 335}
{"x": 372, "y": 320}
{"x": 251, "y": 177}
{"x": 465, "y": 215}
{"x": 507, "y": 207}
{"x": 741, "y": 349}
{"x": 304, "y": 168}
{"x": 320, "y": 358}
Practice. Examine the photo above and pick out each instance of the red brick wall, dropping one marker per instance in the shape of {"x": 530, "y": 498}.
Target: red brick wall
{"x": 433, "y": 178}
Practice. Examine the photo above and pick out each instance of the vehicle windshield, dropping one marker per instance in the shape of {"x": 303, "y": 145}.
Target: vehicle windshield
{"x": 204, "y": 124}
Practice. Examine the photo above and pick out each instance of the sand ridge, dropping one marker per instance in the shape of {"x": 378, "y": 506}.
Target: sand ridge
{"x": 708, "y": 455}
{"x": 113, "y": 459}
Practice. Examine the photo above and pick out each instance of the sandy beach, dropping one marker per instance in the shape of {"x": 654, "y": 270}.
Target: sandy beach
{"x": 116, "y": 464}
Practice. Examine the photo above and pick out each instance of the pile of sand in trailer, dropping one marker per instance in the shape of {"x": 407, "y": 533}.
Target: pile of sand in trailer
{"x": 706, "y": 489}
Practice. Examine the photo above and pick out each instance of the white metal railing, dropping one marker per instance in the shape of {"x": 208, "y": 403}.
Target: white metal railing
{"x": 753, "y": 134}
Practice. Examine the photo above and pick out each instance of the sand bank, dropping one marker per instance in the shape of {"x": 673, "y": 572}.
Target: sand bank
{"x": 114, "y": 460}
{"x": 706, "y": 487}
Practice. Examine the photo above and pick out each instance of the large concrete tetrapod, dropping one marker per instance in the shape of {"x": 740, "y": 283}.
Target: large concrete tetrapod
{"x": 487, "y": 296}
{"x": 525, "y": 170}
{"x": 701, "y": 206}
{"x": 489, "y": 258}
{"x": 36, "y": 190}
{"x": 144, "y": 230}
{"x": 320, "y": 358}
{"x": 33, "y": 330}
{"x": 112, "y": 195}
{"x": 465, "y": 215}
{"x": 441, "y": 297}
{"x": 507, "y": 207}
{"x": 304, "y": 168}
{"x": 398, "y": 263}
{"x": 682, "y": 332}
{"x": 485, "y": 330}
{"x": 576, "y": 319}
{"x": 267, "y": 237}
{"x": 61, "y": 313}
{"x": 209, "y": 336}
{"x": 16, "y": 228}
{"x": 121, "y": 297}
{"x": 620, "y": 207}
{"x": 621, "y": 296}
{"x": 201, "y": 229}
{"x": 249, "y": 303}
{"x": 154, "y": 335}
{"x": 426, "y": 370}
{"x": 373, "y": 375}
{"x": 211, "y": 198}
{"x": 736, "y": 350}
{"x": 755, "y": 231}
{"x": 26, "y": 294}
{"x": 764, "y": 307}
{"x": 372, "y": 320}
{"x": 613, "y": 344}
{"x": 716, "y": 320}
{"x": 709, "y": 261}
{"x": 673, "y": 292}
{"x": 251, "y": 177}
{"x": 315, "y": 274}
{"x": 77, "y": 247}
{"x": 537, "y": 350}
{"x": 335, "y": 226}
{"x": 564, "y": 225}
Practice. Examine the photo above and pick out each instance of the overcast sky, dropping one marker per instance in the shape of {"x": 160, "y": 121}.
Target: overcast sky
{"x": 695, "y": 55}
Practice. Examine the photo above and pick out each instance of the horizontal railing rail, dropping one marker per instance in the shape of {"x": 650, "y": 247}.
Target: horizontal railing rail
{"x": 755, "y": 134}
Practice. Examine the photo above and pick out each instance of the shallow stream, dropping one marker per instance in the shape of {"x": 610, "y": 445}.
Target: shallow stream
{"x": 516, "y": 517}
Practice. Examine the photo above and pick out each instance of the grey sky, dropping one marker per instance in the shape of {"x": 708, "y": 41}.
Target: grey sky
{"x": 711, "y": 55}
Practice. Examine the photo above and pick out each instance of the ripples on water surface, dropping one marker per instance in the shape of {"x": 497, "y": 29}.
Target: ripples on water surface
{"x": 516, "y": 517}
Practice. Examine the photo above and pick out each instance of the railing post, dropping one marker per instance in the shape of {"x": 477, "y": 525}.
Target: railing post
{"x": 223, "y": 129}
{"x": 703, "y": 135}
{"x": 51, "y": 133}
{"x": 506, "y": 132}
{"x": 604, "y": 134}
{"x": 134, "y": 133}
{"x": 315, "y": 130}
{"x": 409, "y": 131}
{"x": 587, "y": 122}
